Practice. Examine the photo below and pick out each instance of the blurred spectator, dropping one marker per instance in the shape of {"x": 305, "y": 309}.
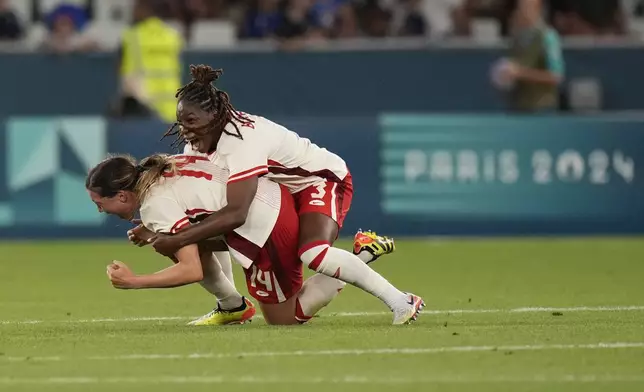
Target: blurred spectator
{"x": 129, "y": 107}
{"x": 261, "y": 20}
{"x": 587, "y": 17}
{"x": 535, "y": 66}
{"x": 440, "y": 15}
{"x": 462, "y": 20}
{"x": 10, "y": 28}
{"x": 639, "y": 9}
{"x": 375, "y": 19}
{"x": 298, "y": 25}
{"x": 499, "y": 10}
{"x": 66, "y": 24}
{"x": 149, "y": 64}
{"x": 408, "y": 19}
{"x": 192, "y": 9}
{"x": 346, "y": 23}
{"x": 326, "y": 11}
{"x": 188, "y": 12}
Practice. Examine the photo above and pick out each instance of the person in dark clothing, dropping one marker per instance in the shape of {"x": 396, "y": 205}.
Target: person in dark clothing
{"x": 298, "y": 25}
{"x": 261, "y": 19}
{"x": 10, "y": 27}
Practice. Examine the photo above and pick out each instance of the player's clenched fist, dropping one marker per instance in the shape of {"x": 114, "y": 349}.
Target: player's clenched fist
{"x": 121, "y": 275}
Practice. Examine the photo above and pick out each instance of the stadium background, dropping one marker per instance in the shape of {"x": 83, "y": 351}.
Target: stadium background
{"x": 378, "y": 110}
{"x": 432, "y": 150}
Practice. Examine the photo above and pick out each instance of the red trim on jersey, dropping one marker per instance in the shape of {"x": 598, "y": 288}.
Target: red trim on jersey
{"x": 277, "y": 168}
{"x": 242, "y": 245}
{"x": 190, "y": 158}
{"x": 256, "y": 171}
{"x": 247, "y": 121}
{"x": 189, "y": 173}
{"x": 180, "y": 224}
{"x": 197, "y": 211}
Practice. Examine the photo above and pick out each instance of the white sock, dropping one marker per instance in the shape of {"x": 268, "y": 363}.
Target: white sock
{"x": 317, "y": 292}
{"x": 366, "y": 257}
{"x": 226, "y": 265}
{"x": 217, "y": 284}
{"x": 346, "y": 266}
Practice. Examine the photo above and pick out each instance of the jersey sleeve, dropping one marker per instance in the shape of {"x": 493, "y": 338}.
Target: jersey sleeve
{"x": 245, "y": 158}
{"x": 554, "y": 56}
{"x": 162, "y": 214}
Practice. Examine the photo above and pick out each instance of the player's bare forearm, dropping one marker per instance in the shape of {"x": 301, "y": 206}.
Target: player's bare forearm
{"x": 538, "y": 76}
{"x": 219, "y": 223}
{"x": 186, "y": 271}
{"x": 174, "y": 276}
{"x": 240, "y": 195}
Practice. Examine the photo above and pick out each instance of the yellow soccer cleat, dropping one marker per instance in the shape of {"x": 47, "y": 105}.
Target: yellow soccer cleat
{"x": 218, "y": 316}
{"x": 369, "y": 246}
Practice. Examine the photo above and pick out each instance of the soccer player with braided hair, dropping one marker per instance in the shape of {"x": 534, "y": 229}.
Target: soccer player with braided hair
{"x": 251, "y": 147}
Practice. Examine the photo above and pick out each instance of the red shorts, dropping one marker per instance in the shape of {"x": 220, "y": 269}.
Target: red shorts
{"x": 276, "y": 274}
{"x": 332, "y": 199}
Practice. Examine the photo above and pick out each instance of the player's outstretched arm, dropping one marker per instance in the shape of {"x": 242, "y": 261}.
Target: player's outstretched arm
{"x": 239, "y": 195}
{"x": 187, "y": 270}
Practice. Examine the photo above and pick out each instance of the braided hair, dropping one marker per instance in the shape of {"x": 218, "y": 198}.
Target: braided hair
{"x": 202, "y": 92}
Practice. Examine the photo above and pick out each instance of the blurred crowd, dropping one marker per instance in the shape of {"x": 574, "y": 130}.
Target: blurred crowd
{"x": 301, "y": 21}
{"x": 433, "y": 18}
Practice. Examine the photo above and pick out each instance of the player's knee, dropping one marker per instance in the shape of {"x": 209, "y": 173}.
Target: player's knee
{"x": 280, "y": 314}
{"x": 313, "y": 253}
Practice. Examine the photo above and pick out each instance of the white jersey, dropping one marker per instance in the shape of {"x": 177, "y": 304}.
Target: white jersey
{"x": 271, "y": 150}
{"x": 198, "y": 190}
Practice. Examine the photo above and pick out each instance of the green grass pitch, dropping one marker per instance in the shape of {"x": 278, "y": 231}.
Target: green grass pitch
{"x": 502, "y": 315}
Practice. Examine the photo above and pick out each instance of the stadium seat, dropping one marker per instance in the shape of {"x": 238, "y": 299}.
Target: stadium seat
{"x": 630, "y": 6}
{"x": 213, "y": 35}
{"x": 636, "y": 27}
{"x": 107, "y": 34}
{"x": 438, "y": 14}
{"x": 485, "y": 30}
{"x": 35, "y": 35}
{"x": 22, "y": 8}
{"x": 113, "y": 10}
{"x": 585, "y": 94}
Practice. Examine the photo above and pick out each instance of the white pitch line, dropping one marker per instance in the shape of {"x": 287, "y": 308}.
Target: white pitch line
{"x": 456, "y": 379}
{"x": 628, "y": 308}
{"x": 347, "y": 352}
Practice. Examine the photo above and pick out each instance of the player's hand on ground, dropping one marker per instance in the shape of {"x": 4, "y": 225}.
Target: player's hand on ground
{"x": 165, "y": 244}
{"x": 120, "y": 275}
{"x": 140, "y": 235}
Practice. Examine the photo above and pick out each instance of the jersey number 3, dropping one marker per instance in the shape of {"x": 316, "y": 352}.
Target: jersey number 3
{"x": 318, "y": 196}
